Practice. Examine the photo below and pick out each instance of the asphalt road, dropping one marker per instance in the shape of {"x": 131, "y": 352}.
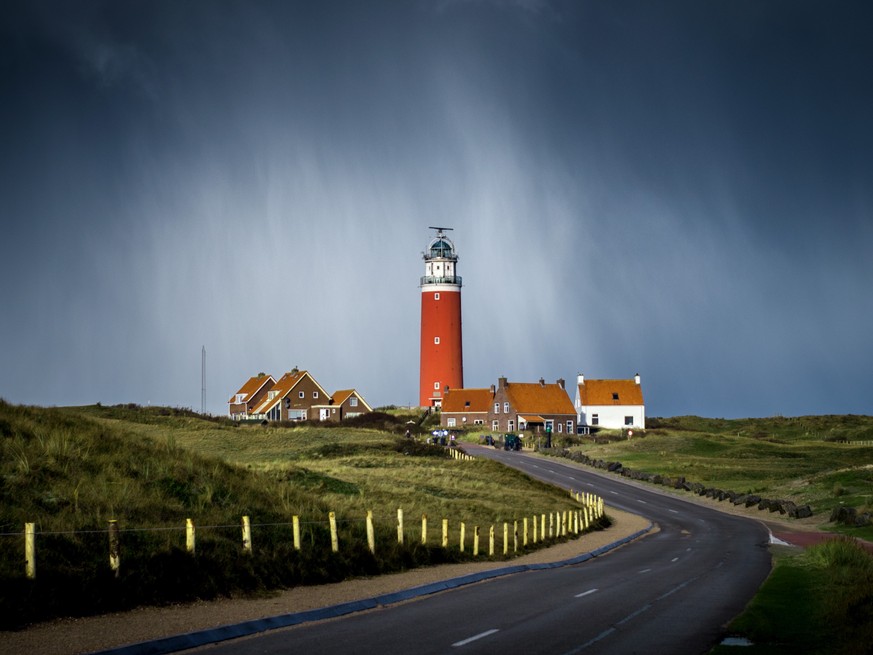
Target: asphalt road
{"x": 670, "y": 592}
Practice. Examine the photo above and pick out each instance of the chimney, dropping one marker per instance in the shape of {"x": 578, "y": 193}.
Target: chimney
{"x": 637, "y": 378}
{"x": 561, "y": 382}
{"x": 492, "y": 390}
{"x": 542, "y": 382}
{"x": 580, "y": 379}
{"x": 501, "y": 383}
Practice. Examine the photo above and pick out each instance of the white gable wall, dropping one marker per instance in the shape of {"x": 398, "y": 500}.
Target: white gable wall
{"x": 613, "y": 416}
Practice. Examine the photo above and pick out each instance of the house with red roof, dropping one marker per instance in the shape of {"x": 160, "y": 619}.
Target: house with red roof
{"x": 512, "y": 407}
{"x": 296, "y": 396}
{"x": 249, "y": 396}
{"x": 611, "y": 404}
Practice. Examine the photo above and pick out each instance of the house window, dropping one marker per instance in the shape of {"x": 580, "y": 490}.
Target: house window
{"x": 436, "y": 385}
{"x": 496, "y": 408}
{"x": 315, "y": 394}
{"x": 450, "y": 422}
{"x": 296, "y": 414}
{"x": 436, "y": 296}
{"x": 510, "y": 427}
{"x": 466, "y": 403}
{"x": 595, "y": 419}
{"x": 436, "y": 341}
{"x": 628, "y": 420}
{"x": 495, "y": 426}
{"x": 506, "y": 408}
{"x": 478, "y": 421}
{"x": 560, "y": 427}
{"x": 239, "y": 397}
{"x": 353, "y": 401}
{"x": 569, "y": 427}
{"x": 550, "y": 424}
{"x": 615, "y": 396}
{"x": 301, "y": 394}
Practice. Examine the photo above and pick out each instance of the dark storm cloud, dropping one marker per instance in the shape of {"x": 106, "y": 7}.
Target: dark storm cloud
{"x": 678, "y": 189}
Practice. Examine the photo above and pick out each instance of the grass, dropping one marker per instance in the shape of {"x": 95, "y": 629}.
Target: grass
{"x": 71, "y": 470}
{"x": 801, "y": 459}
{"x": 819, "y": 601}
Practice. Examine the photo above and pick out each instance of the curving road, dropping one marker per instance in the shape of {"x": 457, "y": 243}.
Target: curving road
{"x": 670, "y": 592}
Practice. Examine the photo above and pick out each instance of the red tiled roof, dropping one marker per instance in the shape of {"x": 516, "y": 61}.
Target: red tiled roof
{"x": 610, "y": 392}
{"x": 456, "y": 400}
{"x": 535, "y": 398}
{"x": 339, "y": 397}
{"x": 251, "y": 387}
{"x": 284, "y": 385}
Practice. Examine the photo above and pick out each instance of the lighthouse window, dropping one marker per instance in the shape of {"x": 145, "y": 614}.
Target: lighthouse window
{"x": 436, "y": 296}
{"x": 436, "y": 340}
{"x": 436, "y": 385}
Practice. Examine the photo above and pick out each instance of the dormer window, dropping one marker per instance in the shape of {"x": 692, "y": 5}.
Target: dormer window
{"x": 615, "y": 396}
{"x": 239, "y": 397}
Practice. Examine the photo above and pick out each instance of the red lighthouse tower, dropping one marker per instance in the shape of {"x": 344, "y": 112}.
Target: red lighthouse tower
{"x": 442, "y": 364}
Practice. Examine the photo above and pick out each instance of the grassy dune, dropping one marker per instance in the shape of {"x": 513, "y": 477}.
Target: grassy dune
{"x": 70, "y": 470}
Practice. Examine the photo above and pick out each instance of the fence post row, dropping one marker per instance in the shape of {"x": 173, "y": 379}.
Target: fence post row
{"x": 560, "y": 524}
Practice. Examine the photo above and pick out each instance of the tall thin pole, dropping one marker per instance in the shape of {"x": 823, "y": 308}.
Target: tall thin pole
{"x": 203, "y": 381}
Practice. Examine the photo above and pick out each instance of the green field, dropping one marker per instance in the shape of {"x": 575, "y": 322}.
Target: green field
{"x": 822, "y": 461}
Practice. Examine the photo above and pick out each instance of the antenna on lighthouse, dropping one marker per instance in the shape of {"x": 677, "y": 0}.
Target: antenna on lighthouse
{"x": 440, "y": 230}
{"x": 203, "y": 380}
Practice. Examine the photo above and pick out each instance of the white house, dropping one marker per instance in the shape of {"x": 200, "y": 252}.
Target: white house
{"x": 611, "y": 404}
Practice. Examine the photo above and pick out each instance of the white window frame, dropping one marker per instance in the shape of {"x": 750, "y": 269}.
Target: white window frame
{"x": 315, "y": 394}
{"x": 353, "y": 401}
{"x": 436, "y": 385}
{"x": 595, "y": 419}
{"x": 301, "y": 394}
{"x": 436, "y": 296}
{"x": 506, "y": 408}
{"x": 569, "y": 427}
{"x": 495, "y": 425}
{"x": 628, "y": 420}
{"x": 450, "y": 422}
{"x": 436, "y": 341}
{"x": 496, "y": 408}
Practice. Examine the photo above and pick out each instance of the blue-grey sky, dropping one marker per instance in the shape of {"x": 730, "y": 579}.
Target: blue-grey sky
{"x": 680, "y": 189}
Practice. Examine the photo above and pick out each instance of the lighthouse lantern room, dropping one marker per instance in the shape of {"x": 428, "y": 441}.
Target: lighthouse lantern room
{"x": 442, "y": 366}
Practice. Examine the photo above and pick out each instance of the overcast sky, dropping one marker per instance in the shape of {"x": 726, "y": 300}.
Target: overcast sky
{"x": 678, "y": 189}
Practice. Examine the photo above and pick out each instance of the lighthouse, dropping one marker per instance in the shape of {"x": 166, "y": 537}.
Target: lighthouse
{"x": 442, "y": 365}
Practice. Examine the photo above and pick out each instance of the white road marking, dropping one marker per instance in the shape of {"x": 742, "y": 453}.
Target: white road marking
{"x": 614, "y": 493}
{"x": 475, "y": 637}
{"x": 642, "y": 501}
{"x": 675, "y": 559}
{"x": 585, "y": 593}
{"x": 645, "y": 570}
{"x": 673, "y": 510}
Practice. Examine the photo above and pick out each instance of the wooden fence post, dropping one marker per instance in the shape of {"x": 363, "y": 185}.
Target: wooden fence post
{"x": 334, "y": 539}
{"x": 551, "y": 525}
{"x": 462, "y": 536}
{"x": 190, "y": 544}
{"x": 445, "y": 541}
{"x": 524, "y": 541}
{"x": 30, "y": 550}
{"x": 423, "y": 529}
{"x": 475, "y": 541}
{"x": 114, "y": 548}
{"x": 295, "y": 528}
{"x": 247, "y": 535}
{"x": 542, "y": 527}
{"x": 515, "y": 536}
{"x": 400, "y": 526}
{"x": 371, "y": 535}
{"x": 535, "y": 528}
{"x": 491, "y": 541}
{"x": 505, "y": 538}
